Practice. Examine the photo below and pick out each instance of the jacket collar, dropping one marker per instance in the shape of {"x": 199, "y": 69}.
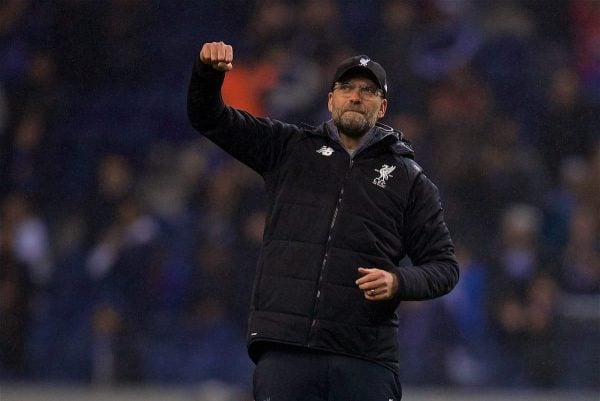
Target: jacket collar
{"x": 380, "y": 133}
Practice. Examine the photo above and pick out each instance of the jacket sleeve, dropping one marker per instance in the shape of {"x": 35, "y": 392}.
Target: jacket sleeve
{"x": 256, "y": 142}
{"x": 429, "y": 246}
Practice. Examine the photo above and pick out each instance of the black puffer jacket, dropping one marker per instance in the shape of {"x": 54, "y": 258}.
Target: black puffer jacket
{"x": 329, "y": 214}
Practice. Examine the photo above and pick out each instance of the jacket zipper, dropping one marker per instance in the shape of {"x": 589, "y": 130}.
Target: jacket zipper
{"x": 324, "y": 262}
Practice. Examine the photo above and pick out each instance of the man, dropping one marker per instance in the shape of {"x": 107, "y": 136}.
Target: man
{"x": 346, "y": 204}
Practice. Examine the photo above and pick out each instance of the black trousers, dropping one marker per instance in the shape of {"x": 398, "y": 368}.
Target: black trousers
{"x": 296, "y": 374}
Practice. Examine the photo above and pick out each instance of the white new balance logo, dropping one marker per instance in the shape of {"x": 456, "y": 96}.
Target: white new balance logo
{"x": 325, "y": 151}
{"x": 385, "y": 172}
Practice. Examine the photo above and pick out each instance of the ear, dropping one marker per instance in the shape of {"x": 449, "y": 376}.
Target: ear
{"x": 382, "y": 108}
{"x": 329, "y": 101}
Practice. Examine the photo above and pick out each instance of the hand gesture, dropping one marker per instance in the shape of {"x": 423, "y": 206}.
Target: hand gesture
{"x": 377, "y": 284}
{"x": 217, "y": 54}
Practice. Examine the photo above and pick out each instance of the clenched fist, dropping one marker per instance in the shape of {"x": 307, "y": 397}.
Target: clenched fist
{"x": 217, "y": 54}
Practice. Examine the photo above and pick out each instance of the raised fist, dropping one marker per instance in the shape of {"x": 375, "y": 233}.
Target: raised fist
{"x": 217, "y": 54}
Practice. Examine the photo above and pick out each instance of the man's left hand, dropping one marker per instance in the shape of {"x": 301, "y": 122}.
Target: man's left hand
{"x": 377, "y": 284}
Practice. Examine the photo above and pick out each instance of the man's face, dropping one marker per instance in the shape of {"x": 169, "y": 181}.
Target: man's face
{"x": 353, "y": 107}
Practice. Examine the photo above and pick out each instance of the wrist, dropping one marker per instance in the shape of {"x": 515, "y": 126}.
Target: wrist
{"x": 394, "y": 283}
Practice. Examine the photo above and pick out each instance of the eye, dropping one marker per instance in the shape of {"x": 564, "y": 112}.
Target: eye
{"x": 346, "y": 87}
{"x": 365, "y": 91}
{"x": 369, "y": 91}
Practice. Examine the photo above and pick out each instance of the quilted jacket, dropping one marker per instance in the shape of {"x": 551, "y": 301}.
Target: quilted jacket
{"x": 330, "y": 213}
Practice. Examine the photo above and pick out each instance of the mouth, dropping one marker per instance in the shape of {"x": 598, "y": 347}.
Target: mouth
{"x": 354, "y": 111}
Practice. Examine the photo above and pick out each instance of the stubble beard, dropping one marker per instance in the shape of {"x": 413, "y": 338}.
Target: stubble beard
{"x": 353, "y": 125}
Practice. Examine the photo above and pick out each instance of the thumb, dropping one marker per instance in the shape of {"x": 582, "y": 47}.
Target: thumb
{"x": 364, "y": 270}
{"x": 223, "y": 66}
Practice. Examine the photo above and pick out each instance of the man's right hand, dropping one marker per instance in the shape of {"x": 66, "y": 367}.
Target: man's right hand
{"x": 217, "y": 54}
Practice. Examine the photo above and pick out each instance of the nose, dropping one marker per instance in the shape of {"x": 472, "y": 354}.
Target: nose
{"x": 354, "y": 96}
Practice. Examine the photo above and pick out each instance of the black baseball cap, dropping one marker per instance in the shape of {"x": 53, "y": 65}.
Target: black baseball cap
{"x": 365, "y": 64}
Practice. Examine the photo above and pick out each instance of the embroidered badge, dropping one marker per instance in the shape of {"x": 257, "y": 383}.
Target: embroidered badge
{"x": 325, "y": 151}
{"x": 364, "y": 61}
{"x": 385, "y": 172}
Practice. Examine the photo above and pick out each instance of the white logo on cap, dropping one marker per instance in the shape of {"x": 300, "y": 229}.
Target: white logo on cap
{"x": 364, "y": 61}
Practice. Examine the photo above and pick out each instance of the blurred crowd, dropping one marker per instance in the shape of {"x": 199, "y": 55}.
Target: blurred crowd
{"x": 128, "y": 242}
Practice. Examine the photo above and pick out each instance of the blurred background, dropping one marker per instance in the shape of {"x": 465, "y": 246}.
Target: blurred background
{"x": 128, "y": 242}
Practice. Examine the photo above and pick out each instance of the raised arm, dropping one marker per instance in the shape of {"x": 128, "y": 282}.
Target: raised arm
{"x": 256, "y": 142}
